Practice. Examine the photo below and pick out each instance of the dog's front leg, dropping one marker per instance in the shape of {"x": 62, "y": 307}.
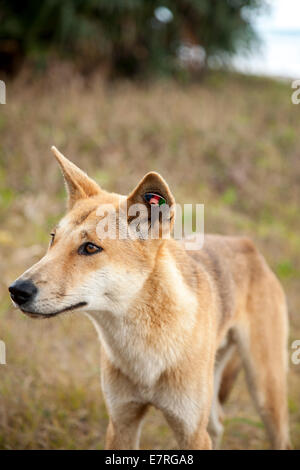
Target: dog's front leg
{"x": 125, "y": 411}
{"x": 187, "y": 435}
{"x": 124, "y": 427}
{"x": 187, "y": 410}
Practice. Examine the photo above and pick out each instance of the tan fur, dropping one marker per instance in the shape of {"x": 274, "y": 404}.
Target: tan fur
{"x": 229, "y": 376}
{"x": 169, "y": 321}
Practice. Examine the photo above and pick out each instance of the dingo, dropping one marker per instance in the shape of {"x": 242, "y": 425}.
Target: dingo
{"x": 174, "y": 326}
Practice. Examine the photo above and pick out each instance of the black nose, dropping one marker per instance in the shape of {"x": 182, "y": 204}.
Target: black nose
{"x": 22, "y": 291}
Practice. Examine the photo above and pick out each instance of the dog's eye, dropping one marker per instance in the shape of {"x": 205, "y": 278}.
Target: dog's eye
{"x": 89, "y": 248}
{"x": 52, "y": 235}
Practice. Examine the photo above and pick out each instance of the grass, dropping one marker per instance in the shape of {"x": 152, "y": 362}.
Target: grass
{"x": 230, "y": 142}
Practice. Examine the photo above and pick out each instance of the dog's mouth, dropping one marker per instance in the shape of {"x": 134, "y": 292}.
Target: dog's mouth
{"x": 32, "y": 314}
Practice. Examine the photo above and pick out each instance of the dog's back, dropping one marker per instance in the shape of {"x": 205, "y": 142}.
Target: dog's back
{"x": 236, "y": 268}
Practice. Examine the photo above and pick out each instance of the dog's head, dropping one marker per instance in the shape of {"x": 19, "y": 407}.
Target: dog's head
{"x": 92, "y": 263}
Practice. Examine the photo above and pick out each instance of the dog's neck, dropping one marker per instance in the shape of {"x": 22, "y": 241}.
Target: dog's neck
{"x": 146, "y": 338}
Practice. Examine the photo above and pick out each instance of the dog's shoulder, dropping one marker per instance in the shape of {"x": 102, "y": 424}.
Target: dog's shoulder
{"x": 226, "y": 261}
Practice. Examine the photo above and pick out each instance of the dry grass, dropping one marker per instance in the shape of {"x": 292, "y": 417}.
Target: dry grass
{"x": 230, "y": 142}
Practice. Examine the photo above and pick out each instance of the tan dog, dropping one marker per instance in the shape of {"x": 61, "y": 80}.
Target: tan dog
{"x": 170, "y": 321}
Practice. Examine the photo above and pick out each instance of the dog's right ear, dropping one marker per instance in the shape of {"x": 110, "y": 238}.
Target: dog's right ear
{"x": 79, "y": 185}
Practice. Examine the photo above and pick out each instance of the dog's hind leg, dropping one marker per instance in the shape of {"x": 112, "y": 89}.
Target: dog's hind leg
{"x": 261, "y": 334}
{"x": 215, "y": 426}
{"x": 229, "y": 376}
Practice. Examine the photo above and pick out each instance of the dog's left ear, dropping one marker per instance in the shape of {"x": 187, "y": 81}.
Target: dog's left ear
{"x": 79, "y": 185}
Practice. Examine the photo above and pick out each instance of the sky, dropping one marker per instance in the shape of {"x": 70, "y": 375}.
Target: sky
{"x": 284, "y": 15}
{"x": 279, "y": 54}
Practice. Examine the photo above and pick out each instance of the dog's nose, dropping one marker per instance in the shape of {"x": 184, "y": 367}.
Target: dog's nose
{"x": 22, "y": 291}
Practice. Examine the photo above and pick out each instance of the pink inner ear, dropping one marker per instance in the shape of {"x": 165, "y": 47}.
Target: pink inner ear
{"x": 154, "y": 199}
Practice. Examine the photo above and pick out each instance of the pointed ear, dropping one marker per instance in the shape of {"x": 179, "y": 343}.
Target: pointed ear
{"x": 79, "y": 185}
{"x": 151, "y": 184}
{"x": 154, "y": 193}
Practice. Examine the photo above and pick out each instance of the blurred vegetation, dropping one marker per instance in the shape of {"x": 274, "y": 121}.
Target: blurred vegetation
{"x": 230, "y": 142}
{"x": 129, "y": 37}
